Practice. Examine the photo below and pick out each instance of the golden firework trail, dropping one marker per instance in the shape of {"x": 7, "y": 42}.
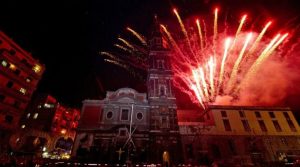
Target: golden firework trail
{"x": 122, "y": 48}
{"x": 227, "y": 43}
{"x": 138, "y": 36}
{"x": 270, "y": 51}
{"x": 183, "y": 29}
{"x": 215, "y": 37}
{"x": 116, "y": 63}
{"x": 253, "y": 69}
{"x": 256, "y": 42}
{"x": 234, "y": 71}
{"x": 200, "y": 33}
{"x": 109, "y": 55}
{"x": 194, "y": 88}
{"x": 238, "y": 31}
{"x": 126, "y": 43}
{"x": 197, "y": 81}
{"x": 171, "y": 39}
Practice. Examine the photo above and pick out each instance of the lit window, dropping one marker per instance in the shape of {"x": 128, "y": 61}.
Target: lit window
{"x": 63, "y": 131}
{"x": 12, "y": 67}
{"x": 35, "y": 115}
{"x": 37, "y": 68}
{"x": 28, "y": 80}
{"x": 4, "y": 63}
{"x": 28, "y": 115}
{"x": 39, "y": 106}
{"x": 23, "y": 126}
{"x": 46, "y": 105}
{"x": 23, "y": 91}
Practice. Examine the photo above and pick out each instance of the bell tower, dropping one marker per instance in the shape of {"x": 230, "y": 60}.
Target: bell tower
{"x": 164, "y": 129}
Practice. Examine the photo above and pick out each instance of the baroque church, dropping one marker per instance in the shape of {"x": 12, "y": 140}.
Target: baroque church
{"x": 128, "y": 126}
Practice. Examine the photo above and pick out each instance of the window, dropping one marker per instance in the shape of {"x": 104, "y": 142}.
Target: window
{"x": 257, "y": 114}
{"x": 227, "y": 125}
{"x": 48, "y": 105}
{"x": 8, "y": 118}
{"x": 28, "y": 80}
{"x": 246, "y": 125}
{"x": 109, "y": 115}
{"x": 9, "y": 84}
{"x": 28, "y": 115}
{"x": 291, "y": 125}
{"x": 12, "y": 67}
{"x": 277, "y": 126}
{"x": 165, "y": 122}
{"x": 23, "y": 126}
{"x": 37, "y": 68}
{"x": 262, "y": 126}
{"x": 272, "y": 115}
{"x": 223, "y": 113}
{"x": 4, "y": 63}
{"x": 162, "y": 90}
{"x": 23, "y": 91}
{"x": 286, "y": 115}
{"x": 125, "y": 114}
{"x": 35, "y": 115}
{"x": 242, "y": 114}
{"x": 139, "y": 116}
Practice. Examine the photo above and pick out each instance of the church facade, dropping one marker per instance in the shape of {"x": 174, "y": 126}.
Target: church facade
{"x": 128, "y": 125}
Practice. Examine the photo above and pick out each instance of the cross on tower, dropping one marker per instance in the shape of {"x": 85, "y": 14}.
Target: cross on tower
{"x": 120, "y": 151}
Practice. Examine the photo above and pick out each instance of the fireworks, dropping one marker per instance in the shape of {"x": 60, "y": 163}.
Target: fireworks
{"x": 212, "y": 72}
{"x": 207, "y": 63}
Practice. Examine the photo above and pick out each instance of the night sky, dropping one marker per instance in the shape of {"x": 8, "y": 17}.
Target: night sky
{"x": 66, "y": 36}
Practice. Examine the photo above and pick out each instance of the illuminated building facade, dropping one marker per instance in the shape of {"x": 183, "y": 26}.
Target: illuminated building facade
{"x": 19, "y": 75}
{"x": 46, "y": 126}
{"x": 240, "y": 135}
